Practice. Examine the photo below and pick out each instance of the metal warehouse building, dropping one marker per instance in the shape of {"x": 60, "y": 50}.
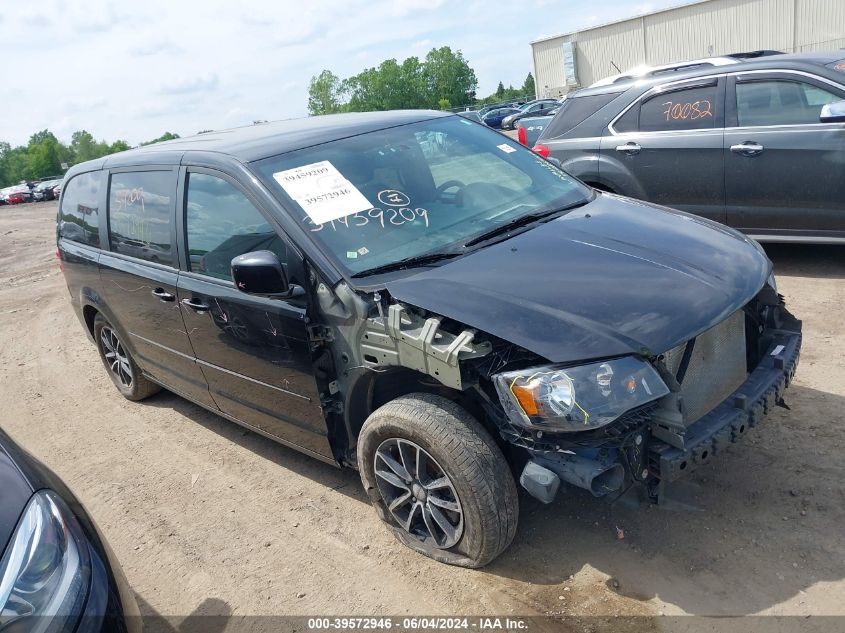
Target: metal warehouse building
{"x": 700, "y": 29}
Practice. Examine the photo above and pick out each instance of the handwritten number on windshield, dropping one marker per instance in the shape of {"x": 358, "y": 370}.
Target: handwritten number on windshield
{"x": 395, "y": 217}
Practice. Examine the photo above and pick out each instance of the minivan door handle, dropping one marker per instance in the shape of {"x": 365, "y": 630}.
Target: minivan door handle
{"x": 630, "y": 148}
{"x": 747, "y": 148}
{"x": 163, "y": 295}
{"x": 195, "y": 304}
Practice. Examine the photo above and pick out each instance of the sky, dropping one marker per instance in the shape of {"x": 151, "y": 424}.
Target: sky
{"x": 133, "y": 70}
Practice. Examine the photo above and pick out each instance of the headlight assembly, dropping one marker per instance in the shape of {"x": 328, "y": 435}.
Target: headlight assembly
{"x": 45, "y": 572}
{"x": 577, "y": 398}
{"x": 773, "y": 282}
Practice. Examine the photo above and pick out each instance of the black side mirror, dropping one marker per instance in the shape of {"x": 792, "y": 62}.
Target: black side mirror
{"x": 833, "y": 112}
{"x": 260, "y": 273}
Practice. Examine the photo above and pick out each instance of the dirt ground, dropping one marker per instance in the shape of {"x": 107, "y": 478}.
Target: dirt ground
{"x": 209, "y": 518}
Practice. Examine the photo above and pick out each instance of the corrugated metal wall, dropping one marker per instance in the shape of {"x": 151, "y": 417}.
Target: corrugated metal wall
{"x": 819, "y": 25}
{"x": 702, "y": 29}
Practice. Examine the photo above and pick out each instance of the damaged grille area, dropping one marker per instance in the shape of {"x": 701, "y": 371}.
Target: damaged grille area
{"x": 709, "y": 367}
{"x": 612, "y": 435}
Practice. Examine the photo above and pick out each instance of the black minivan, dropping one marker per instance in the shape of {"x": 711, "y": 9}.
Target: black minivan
{"x": 415, "y": 296}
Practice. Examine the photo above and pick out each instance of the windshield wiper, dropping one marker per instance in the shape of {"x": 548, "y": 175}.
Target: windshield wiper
{"x": 409, "y": 262}
{"x": 523, "y": 220}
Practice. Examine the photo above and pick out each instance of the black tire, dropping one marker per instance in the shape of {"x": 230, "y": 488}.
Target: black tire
{"x": 137, "y": 387}
{"x": 461, "y": 448}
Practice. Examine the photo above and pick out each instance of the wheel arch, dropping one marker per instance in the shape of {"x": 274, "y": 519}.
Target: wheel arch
{"x": 379, "y": 386}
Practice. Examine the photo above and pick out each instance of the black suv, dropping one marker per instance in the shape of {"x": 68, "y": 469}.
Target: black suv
{"x": 415, "y": 296}
{"x": 758, "y": 145}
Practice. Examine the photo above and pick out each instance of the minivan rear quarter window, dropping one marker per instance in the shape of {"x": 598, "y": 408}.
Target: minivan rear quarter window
{"x": 79, "y": 212}
{"x": 140, "y": 208}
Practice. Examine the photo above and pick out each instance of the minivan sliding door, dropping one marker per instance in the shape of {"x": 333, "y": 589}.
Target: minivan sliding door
{"x": 139, "y": 274}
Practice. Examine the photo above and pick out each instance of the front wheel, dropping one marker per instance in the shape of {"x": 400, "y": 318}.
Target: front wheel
{"x": 438, "y": 480}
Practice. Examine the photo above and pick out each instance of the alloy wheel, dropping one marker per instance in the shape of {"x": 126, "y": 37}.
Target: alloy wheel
{"x": 418, "y": 493}
{"x": 116, "y": 357}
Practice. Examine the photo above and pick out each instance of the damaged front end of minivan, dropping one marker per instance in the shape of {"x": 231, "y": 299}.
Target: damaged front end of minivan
{"x": 603, "y": 425}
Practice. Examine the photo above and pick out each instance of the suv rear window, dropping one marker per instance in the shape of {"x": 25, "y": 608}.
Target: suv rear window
{"x": 574, "y": 111}
{"x": 140, "y": 208}
{"x": 78, "y": 217}
{"x": 683, "y": 109}
{"x": 689, "y": 109}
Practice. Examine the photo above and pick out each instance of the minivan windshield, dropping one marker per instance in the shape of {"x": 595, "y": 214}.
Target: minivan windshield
{"x": 414, "y": 190}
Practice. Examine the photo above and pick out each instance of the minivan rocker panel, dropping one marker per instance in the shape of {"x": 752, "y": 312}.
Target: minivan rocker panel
{"x": 614, "y": 277}
{"x": 414, "y": 296}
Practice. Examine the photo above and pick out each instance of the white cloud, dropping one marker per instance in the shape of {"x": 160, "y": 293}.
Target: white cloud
{"x": 160, "y": 46}
{"x": 402, "y": 8}
{"x": 133, "y": 70}
{"x": 189, "y": 85}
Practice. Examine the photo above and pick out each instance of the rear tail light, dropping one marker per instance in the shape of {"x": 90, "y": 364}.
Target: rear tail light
{"x": 542, "y": 150}
{"x": 522, "y": 135}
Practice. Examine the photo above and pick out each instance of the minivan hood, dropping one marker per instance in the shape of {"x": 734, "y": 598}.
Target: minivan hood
{"x": 614, "y": 277}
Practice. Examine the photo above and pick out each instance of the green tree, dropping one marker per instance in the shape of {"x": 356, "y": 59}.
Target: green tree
{"x": 167, "y": 136}
{"x": 444, "y": 104}
{"x": 119, "y": 146}
{"x": 443, "y": 76}
{"x": 84, "y": 147}
{"x": 528, "y": 87}
{"x": 325, "y": 93}
{"x": 449, "y": 76}
{"x": 12, "y": 164}
{"x": 500, "y": 91}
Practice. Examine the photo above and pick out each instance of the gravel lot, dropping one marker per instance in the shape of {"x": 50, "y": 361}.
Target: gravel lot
{"x": 209, "y": 518}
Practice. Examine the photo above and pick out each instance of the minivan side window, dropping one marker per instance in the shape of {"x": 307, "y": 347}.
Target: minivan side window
{"x": 780, "y": 102}
{"x": 688, "y": 109}
{"x": 220, "y": 224}
{"x": 140, "y": 206}
{"x": 78, "y": 217}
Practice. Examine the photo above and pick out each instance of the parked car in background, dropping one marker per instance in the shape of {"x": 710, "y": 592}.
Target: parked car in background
{"x": 494, "y": 117}
{"x": 532, "y": 108}
{"x": 45, "y": 190}
{"x": 57, "y": 572}
{"x": 20, "y": 194}
{"x": 57, "y": 190}
{"x": 513, "y": 103}
{"x": 529, "y": 129}
{"x": 472, "y": 115}
{"x": 757, "y": 145}
{"x": 408, "y": 294}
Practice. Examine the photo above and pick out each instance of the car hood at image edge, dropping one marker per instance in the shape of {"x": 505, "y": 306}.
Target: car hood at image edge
{"x": 613, "y": 277}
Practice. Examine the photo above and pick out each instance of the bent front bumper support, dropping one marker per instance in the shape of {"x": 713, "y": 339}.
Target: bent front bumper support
{"x": 732, "y": 418}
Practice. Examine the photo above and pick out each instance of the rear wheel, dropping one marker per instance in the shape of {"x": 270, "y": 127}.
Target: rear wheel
{"x": 438, "y": 480}
{"x": 121, "y": 367}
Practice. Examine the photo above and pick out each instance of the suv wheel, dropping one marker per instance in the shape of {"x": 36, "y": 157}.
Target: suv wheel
{"x": 121, "y": 367}
{"x": 438, "y": 480}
